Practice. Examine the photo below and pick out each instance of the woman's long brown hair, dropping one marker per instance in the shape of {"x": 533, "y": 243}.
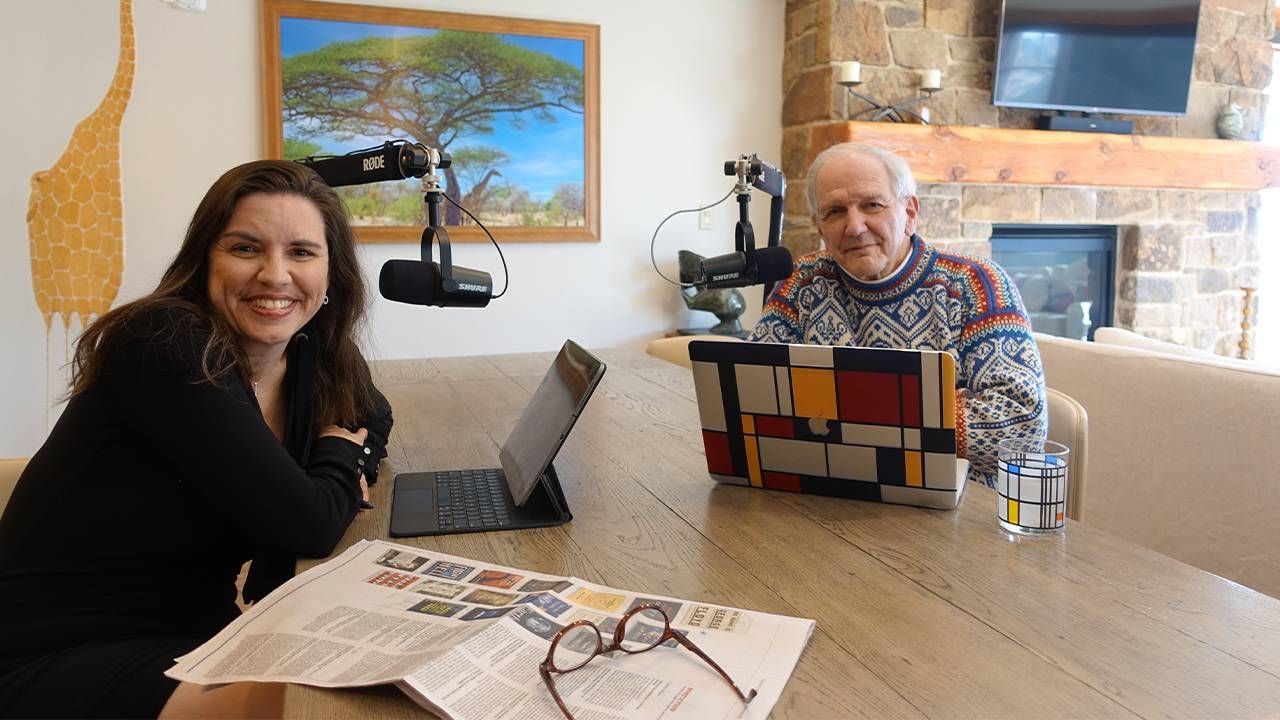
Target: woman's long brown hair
{"x": 342, "y": 382}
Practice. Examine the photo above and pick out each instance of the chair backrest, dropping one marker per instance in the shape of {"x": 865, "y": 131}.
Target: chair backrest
{"x": 10, "y": 470}
{"x": 1069, "y": 425}
{"x": 676, "y": 349}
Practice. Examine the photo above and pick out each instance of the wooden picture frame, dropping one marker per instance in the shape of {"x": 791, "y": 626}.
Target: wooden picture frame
{"x": 443, "y": 68}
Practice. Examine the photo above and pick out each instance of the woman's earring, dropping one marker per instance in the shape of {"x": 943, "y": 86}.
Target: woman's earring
{"x": 326, "y": 300}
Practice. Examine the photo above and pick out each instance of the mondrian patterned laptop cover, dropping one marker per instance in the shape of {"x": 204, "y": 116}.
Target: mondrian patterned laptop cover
{"x": 860, "y": 423}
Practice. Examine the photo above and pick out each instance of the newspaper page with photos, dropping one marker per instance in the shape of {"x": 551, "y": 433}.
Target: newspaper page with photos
{"x": 465, "y": 639}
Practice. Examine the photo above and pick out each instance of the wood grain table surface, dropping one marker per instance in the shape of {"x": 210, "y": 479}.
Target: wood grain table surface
{"x": 920, "y": 613}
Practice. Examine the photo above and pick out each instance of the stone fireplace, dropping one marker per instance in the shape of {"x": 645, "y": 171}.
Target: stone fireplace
{"x": 1183, "y": 255}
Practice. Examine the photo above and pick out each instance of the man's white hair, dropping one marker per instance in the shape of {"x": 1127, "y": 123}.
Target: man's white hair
{"x": 904, "y": 185}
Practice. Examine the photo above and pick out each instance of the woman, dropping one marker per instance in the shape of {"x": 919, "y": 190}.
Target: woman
{"x": 227, "y": 416}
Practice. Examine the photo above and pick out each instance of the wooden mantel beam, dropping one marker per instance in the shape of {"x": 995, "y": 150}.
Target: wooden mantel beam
{"x": 957, "y": 154}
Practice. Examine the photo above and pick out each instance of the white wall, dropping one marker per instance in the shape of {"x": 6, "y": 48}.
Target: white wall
{"x": 684, "y": 87}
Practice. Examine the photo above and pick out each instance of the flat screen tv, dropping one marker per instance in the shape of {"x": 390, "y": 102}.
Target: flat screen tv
{"x": 1119, "y": 56}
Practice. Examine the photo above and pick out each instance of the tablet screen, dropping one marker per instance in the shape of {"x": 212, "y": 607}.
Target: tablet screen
{"x": 548, "y": 417}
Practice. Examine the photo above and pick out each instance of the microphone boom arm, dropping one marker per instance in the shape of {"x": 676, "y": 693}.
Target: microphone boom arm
{"x": 754, "y": 172}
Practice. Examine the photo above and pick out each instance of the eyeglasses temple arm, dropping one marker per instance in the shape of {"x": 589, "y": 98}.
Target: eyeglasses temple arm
{"x": 688, "y": 644}
{"x": 551, "y": 685}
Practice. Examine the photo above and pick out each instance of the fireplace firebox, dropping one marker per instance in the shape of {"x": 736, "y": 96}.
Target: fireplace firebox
{"x": 1065, "y": 274}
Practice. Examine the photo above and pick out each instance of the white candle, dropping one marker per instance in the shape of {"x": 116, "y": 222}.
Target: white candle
{"x": 850, "y": 71}
{"x": 931, "y": 79}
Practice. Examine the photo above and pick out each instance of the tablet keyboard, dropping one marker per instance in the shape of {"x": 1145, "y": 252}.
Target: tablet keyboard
{"x": 471, "y": 499}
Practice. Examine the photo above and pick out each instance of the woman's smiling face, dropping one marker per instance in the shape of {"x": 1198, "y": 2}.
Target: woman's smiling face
{"x": 269, "y": 270}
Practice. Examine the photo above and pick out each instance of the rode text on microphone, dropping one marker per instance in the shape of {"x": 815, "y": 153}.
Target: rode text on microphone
{"x": 393, "y": 160}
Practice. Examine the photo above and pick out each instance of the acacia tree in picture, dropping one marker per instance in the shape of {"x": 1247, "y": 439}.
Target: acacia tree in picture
{"x": 438, "y": 89}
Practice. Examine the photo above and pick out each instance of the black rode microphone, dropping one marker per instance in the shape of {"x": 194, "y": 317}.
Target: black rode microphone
{"x": 741, "y": 269}
{"x": 426, "y": 282}
{"x": 395, "y": 160}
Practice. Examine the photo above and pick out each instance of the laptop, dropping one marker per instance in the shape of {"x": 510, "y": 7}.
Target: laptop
{"x": 861, "y": 423}
{"x": 524, "y": 492}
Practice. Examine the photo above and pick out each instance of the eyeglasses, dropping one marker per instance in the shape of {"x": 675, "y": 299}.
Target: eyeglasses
{"x": 578, "y": 642}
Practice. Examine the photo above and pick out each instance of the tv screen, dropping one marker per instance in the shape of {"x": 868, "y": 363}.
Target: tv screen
{"x": 1130, "y": 56}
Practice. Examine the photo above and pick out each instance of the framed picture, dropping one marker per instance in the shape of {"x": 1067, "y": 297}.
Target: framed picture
{"x": 515, "y": 102}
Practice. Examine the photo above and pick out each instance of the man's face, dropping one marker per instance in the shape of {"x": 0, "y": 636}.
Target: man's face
{"x": 865, "y": 227}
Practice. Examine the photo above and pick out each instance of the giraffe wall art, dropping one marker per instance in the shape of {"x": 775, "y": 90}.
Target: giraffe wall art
{"x": 75, "y": 213}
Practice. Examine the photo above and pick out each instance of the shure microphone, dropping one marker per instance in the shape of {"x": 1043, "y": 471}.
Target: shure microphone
{"x": 748, "y": 266}
{"x": 739, "y": 269}
{"x": 427, "y": 282}
{"x": 395, "y": 160}
{"x": 420, "y": 282}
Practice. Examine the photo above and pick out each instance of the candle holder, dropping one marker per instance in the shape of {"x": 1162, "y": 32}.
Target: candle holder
{"x": 1246, "y": 323}
{"x": 850, "y": 77}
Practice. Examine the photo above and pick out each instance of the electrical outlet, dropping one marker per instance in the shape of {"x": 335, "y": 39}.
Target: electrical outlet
{"x": 704, "y": 219}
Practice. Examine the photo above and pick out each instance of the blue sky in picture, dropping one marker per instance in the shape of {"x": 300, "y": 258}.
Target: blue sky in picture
{"x": 542, "y": 155}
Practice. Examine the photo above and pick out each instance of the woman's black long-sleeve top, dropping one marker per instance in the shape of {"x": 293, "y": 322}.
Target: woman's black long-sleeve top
{"x": 155, "y": 486}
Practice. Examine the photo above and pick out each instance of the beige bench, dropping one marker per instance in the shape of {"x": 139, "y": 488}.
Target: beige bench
{"x": 1183, "y": 453}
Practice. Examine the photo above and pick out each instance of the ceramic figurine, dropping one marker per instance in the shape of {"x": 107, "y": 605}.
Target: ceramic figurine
{"x": 1231, "y": 122}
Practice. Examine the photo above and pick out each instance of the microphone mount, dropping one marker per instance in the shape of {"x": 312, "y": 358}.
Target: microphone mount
{"x": 751, "y": 172}
{"x": 452, "y": 279}
{"x": 746, "y": 265}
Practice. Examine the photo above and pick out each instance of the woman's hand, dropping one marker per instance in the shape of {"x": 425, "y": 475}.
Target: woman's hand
{"x": 358, "y": 437}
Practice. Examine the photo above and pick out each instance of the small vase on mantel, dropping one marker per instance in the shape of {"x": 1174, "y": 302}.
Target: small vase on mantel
{"x": 1231, "y": 122}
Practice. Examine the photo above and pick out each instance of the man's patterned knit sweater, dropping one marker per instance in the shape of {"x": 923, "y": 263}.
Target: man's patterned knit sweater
{"x": 937, "y": 301}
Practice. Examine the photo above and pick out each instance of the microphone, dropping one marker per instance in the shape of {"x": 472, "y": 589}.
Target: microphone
{"x": 415, "y": 282}
{"x": 394, "y": 160}
{"x": 426, "y": 282}
{"x": 420, "y": 282}
{"x": 741, "y": 269}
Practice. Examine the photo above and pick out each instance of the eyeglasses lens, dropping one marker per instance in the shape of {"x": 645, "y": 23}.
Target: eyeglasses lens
{"x": 644, "y": 630}
{"x": 575, "y": 648}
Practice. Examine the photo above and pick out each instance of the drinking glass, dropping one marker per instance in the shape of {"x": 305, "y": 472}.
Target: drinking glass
{"x": 1031, "y": 482}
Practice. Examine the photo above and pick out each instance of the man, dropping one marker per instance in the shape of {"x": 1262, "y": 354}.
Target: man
{"x": 877, "y": 284}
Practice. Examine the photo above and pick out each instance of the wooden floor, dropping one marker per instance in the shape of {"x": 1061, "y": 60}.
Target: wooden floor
{"x": 920, "y": 613}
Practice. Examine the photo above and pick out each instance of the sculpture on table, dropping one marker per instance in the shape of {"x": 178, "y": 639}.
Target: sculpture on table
{"x": 727, "y": 304}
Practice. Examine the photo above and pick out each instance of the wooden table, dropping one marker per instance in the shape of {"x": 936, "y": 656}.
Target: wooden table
{"x": 920, "y": 613}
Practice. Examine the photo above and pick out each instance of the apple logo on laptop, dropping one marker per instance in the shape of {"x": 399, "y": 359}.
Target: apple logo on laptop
{"x": 819, "y": 426}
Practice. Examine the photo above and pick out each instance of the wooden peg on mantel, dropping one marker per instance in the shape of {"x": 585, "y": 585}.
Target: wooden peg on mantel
{"x": 961, "y": 154}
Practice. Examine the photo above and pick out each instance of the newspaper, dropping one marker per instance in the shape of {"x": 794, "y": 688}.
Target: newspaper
{"x": 465, "y": 640}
